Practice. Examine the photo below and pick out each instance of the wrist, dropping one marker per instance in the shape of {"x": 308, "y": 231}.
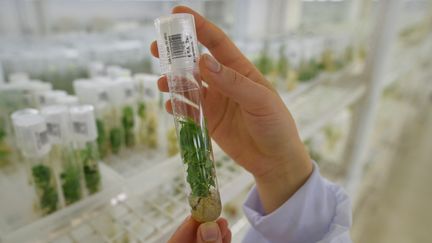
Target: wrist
{"x": 276, "y": 186}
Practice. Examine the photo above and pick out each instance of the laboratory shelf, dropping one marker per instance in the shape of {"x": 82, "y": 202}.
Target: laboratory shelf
{"x": 20, "y": 224}
{"x": 316, "y": 106}
{"x": 145, "y": 200}
{"x": 131, "y": 163}
{"x": 135, "y": 210}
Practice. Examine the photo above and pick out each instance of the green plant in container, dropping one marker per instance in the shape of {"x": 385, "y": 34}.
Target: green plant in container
{"x": 5, "y": 150}
{"x": 282, "y": 64}
{"x": 116, "y": 139}
{"x": 196, "y": 155}
{"x": 128, "y": 123}
{"x": 101, "y": 138}
{"x": 71, "y": 177}
{"x": 264, "y": 62}
{"x": 89, "y": 158}
{"x": 43, "y": 179}
{"x": 172, "y": 142}
{"x": 142, "y": 115}
{"x": 349, "y": 54}
{"x": 31, "y": 136}
{"x": 152, "y": 134}
{"x": 194, "y": 141}
{"x": 327, "y": 61}
{"x": 308, "y": 71}
{"x": 85, "y": 145}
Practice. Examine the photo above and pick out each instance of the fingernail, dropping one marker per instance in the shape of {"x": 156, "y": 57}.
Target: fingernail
{"x": 209, "y": 231}
{"x": 186, "y": 219}
{"x": 211, "y": 63}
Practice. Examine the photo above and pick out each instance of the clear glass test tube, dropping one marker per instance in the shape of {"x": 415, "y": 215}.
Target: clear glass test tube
{"x": 66, "y": 165}
{"x": 178, "y": 56}
{"x": 33, "y": 142}
{"x": 148, "y": 110}
{"x": 84, "y": 134}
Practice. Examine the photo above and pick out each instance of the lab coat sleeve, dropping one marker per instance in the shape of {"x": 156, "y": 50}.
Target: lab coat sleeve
{"x": 319, "y": 211}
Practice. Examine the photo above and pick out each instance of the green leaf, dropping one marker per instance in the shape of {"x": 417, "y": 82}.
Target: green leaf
{"x": 42, "y": 176}
{"x": 142, "y": 110}
{"x": 195, "y": 151}
{"x": 116, "y": 139}
{"x": 71, "y": 184}
{"x": 92, "y": 175}
{"x": 101, "y": 139}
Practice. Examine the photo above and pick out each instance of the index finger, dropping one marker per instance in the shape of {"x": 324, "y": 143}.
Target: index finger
{"x": 221, "y": 47}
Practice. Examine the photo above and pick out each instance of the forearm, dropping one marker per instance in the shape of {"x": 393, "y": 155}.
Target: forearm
{"x": 278, "y": 185}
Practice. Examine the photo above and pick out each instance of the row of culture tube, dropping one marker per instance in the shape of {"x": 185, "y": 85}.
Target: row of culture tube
{"x": 127, "y": 112}
{"x": 18, "y": 93}
{"x": 58, "y": 145}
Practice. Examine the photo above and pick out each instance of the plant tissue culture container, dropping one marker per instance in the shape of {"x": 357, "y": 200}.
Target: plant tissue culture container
{"x": 62, "y": 156}
{"x": 148, "y": 109}
{"x": 178, "y": 53}
{"x": 94, "y": 93}
{"x": 84, "y": 133}
{"x": 33, "y": 142}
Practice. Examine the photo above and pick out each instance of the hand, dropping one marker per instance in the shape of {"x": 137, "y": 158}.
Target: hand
{"x": 247, "y": 118}
{"x": 190, "y": 231}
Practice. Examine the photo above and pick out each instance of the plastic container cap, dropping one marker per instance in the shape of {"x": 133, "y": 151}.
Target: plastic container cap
{"x": 177, "y": 42}
{"x": 68, "y": 100}
{"x": 18, "y": 77}
{"x": 57, "y": 119}
{"x": 83, "y": 123}
{"x": 52, "y": 96}
{"x": 127, "y": 89}
{"x": 91, "y": 92}
{"x": 147, "y": 84}
{"x": 31, "y": 133}
{"x": 96, "y": 69}
{"x": 117, "y": 72}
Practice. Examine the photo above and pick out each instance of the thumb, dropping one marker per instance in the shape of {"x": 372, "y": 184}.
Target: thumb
{"x": 209, "y": 233}
{"x": 247, "y": 93}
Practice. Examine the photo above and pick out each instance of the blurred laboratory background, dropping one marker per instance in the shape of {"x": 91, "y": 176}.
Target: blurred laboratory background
{"x": 356, "y": 75}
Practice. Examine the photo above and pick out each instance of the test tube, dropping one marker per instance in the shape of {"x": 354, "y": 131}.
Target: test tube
{"x": 93, "y": 92}
{"x": 126, "y": 88}
{"x": 62, "y": 156}
{"x": 33, "y": 142}
{"x": 84, "y": 135}
{"x": 148, "y": 110}
{"x": 178, "y": 56}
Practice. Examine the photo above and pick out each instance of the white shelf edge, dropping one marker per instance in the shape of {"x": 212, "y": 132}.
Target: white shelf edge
{"x": 326, "y": 116}
{"x": 47, "y": 225}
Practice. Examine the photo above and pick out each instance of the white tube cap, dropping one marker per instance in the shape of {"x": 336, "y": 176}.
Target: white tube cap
{"x": 177, "y": 42}
{"x": 31, "y": 133}
{"x": 57, "y": 119}
{"x": 83, "y": 123}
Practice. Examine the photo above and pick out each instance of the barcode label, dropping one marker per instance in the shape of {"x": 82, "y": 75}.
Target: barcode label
{"x": 178, "y": 45}
{"x": 83, "y": 125}
{"x": 181, "y": 46}
{"x": 42, "y": 140}
{"x": 149, "y": 93}
{"x": 42, "y": 99}
{"x": 80, "y": 128}
{"x": 103, "y": 96}
{"x": 54, "y": 130}
{"x": 128, "y": 93}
